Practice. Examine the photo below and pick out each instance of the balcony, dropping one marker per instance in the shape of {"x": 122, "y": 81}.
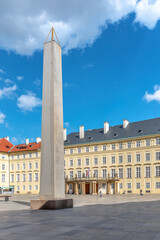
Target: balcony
{"x": 91, "y": 177}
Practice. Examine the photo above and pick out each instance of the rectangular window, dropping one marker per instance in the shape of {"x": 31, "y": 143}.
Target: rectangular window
{"x": 87, "y": 161}
{"x": 79, "y": 150}
{"x": 71, "y": 174}
{"x": 147, "y": 185}
{"x": 148, "y": 172}
{"x": 79, "y": 174}
{"x": 17, "y": 178}
{"x": 36, "y": 177}
{"x": 96, "y": 173}
{"x": 71, "y": 150}
{"x": 30, "y": 155}
{"x": 113, "y": 159}
{"x": 30, "y": 166}
{"x": 157, "y": 171}
{"x": 138, "y": 143}
{"x": 104, "y": 173}
{"x": 120, "y": 172}
{"x": 95, "y": 148}
{"x": 24, "y": 187}
{"x": 64, "y": 151}
{"x": 17, "y": 156}
{"x": 120, "y": 185}
{"x": 36, "y": 154}
{"x": 64, "y": 163}
{"x": 12, "y": 167}
{"x": 104, "y": 147}
{"x": 36, "y": 187}
{"x": 12, "y": 177}
{"x": 104, "y": 160}
{"x": 120, "y": 145}
{"x": 129, "y": 144}
{"x": 138, "y": 172}
{"x": 17, "y": 166}
{"x": 24, "y": 166}
{"x": 30, "y": 187}
{"x": 24, "y": 155}
{"x": 113, "y": 172}
{"x": 3, "y": 177}
{"x": 36, "y": 165}
{"x": 23, "y": 177}
{"x": 12, "y": 157}
{"x": 3, "y": 167}
{"x": 79, "y": 162}
{"x": 129, "y": 172}
{"x": 157, "y": 184}
{"x": 148, "y": 157}
{"x": 113, "y": 146}
{"x": 95, "y": 161}
{"x": 129, "y": 158}
{"x": 71, "y": 163}
{"x": 120, "y": 159}
{"x": 30, "y": 177}
{"x": 148, "y": 142}
{"x": 157, "y": 141}
{"x": 3, "y": 156}
{"x": 138, "y": 157}
{"x": 87, "y": 149}
{"x": 129, "y": 185}
{"x": 138, "y": 185}
{"x": 18, "y": 188}
{"x": 157, "y": 155}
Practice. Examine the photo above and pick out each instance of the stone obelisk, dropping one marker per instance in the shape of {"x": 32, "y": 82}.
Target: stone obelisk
{"x": 52, "y": 192}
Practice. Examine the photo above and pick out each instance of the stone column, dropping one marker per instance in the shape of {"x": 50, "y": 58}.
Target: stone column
{"x": 94, "y": 188}
{"x": 108, "y": 187}
{"x": 83, "y": 188}
{"x": 76, "y": 188}
{"x": 67, "y": 188}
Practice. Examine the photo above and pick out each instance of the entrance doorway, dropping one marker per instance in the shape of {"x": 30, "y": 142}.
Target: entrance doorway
{"x": 112, "y": 188}
{"x": 97, "y": 188}
{"x": 87, "y": 188}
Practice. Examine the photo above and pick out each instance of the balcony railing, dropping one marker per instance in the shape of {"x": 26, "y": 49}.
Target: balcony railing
{"x": 91, "y": 177}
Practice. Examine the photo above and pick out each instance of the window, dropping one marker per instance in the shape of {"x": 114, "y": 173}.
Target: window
{"x": 24, "y": 155}
{"x": 113, "y": 172}
{"x": 129, "y": 185}
{"x": 23, "y": 177}
{"x": 129, "y": 144}
{"x": 12, "y": 157}
{"x": 120, "y": 172}
{"x": 12, "y": 167}
{"x": 17, "y": 166}
{"x": 104, "y": 147}
{"x": 157, "y": 171}
{"x": 71, "y": 150}
{"x": 148, "y": 142}
{"x": 12, "y": 177}
{"x": 129, "y": 158}
{"x": 3, "y": 156}
{"x": 30, "y": 165}
{"x": 87, "y": 173}
{"x": 30, "y": 187}
{"x": 138, "y": 185}
{"x": 24, "y": 187}
{"x": 147, "y": 185}
{"x": 104, "y": 160}
{"x": 95, "y": 148}
{"x": 96, "y": 173}
{"x": 36, "y": 187}
{"x": 30, "y": 177}
{"x": 148, "y": 171}
{"x": 36, "y": 154}
{"x": 157, "y": 155}
{"x": 138, "y": 143}
{"x": 113, "y": 146}
{"x": 79, "y": 150}
{"x": 24, "y": 166}
{"x": 138, "y": 172}
{"x": 79, "y": 162}
{"x": 104, "y": 173}
{"x": 113, "y": 159}
{"x": 129, "y": 172}
{"x": 3, "y": 177}
{"x": 120, "y": 185}
{"x": 138, "y": 157}
{"x": 18, "y": 188}
{"x": 64, "y": 163}
{"x": 64, "y": 151}
{"x": 36, "y": 177}
{"x": 120, "y": 145}
{"x": 64, "y": 174}
{"x": 148, "y": 157}
{"x": 157, "y": 184}
{"x": 87, "y": 149}
{"x": 95, "y": 161}
{"x": 17, "y": 156}
{"x": 71, "y": 174}
{"x": 71, "y": 163}
{"x": 3, "y": 167}
{"x": 157, "y": 141}
{"x": 36, "y": 165}
{"x": 87, "y": 161}
{"x": 120, "y": 159}
{"x": 17, "y": 178}
{"x": 79, "y": 174}
{"x": 30, "y": 155}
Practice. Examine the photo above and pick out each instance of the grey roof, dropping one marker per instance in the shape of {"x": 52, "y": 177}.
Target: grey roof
{"x": 134, "y": 129}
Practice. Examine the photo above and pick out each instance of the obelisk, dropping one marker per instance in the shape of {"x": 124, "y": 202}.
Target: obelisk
{"x": 52, "y": 192}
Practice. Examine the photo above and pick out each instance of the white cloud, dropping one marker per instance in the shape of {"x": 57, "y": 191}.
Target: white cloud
{"x": 27, "y": 102}
{"x": 14, "y": 140}
{"x": 2, "y": 117}
{"x": 66, "y": 124}
{"x": 7, "y": 91}
{"x": 37, "y": 83}
{"x": 24, "y": 25}
{"x": 19, "y": 78}
{"x": 1, "y": 71}
{"x": 8, "y": 81}
{"x": 153, "y": 97}
{"x": 67, "y": 85}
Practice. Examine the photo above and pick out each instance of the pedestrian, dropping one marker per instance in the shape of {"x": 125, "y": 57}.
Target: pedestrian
{"x": 100, "y": 193}
{"x": 141, "y": 194}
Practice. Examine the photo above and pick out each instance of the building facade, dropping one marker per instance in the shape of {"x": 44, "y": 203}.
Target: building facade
{"x": 119, "y": 159}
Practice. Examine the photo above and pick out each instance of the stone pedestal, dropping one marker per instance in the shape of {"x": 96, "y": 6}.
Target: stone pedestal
{"x": 51, "y": 204}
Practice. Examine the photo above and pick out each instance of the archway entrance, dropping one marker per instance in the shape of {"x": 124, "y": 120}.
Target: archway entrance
{"x": 87, "y": 188}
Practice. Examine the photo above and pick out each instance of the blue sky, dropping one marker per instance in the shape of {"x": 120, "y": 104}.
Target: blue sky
{"x": 112, "y": 74}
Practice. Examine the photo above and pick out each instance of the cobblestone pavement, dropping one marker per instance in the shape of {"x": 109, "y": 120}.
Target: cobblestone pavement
{"x": 111, "y": 217}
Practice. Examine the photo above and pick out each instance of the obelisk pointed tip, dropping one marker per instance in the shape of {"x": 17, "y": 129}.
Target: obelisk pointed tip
{"x": 53, "y": 36}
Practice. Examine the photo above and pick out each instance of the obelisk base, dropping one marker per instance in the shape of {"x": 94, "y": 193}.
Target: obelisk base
{"x": 54, "y": 204}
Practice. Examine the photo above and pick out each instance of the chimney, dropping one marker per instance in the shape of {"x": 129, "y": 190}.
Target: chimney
{"x": 64, "y": 134}
{"x": 81, "y": 132}
{"x": 125, "y": 123}
{"x": 106, "y": 127}
{"x": 27, "y": 141}
{"x": 7, "y": 138}
{"x": 38, "y": 139}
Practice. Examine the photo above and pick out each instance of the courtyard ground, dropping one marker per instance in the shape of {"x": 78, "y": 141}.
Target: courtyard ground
{"x": 111, "y": 217}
